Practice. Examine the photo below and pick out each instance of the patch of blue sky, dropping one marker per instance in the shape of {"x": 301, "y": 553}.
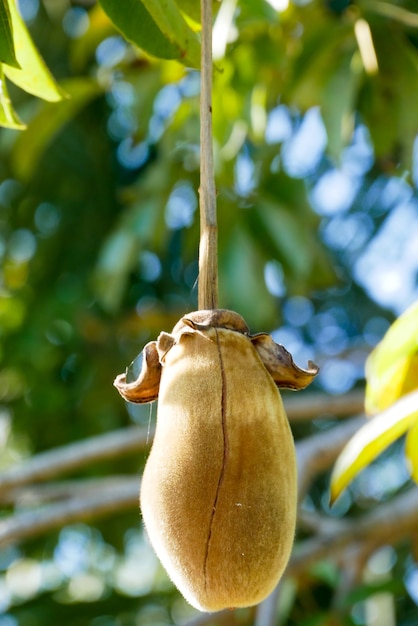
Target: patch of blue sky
{"x": 111, "y": 51}
{"x": 131, "y": 155}
{"x": 304, "y": 149}
{"x": 28, "y": 9}
{"x": 279, "y": 125}
{"x": 349, "y": 233}
{"x": 181, "y": 206}
{"x": 334, "y": 192}
{"x": 358, "y": 158}
{"x": 388, "y": 267}
{"x": 244, "y": 170}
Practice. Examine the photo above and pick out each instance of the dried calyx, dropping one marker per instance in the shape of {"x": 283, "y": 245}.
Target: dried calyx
{"x": 277, "y": 360}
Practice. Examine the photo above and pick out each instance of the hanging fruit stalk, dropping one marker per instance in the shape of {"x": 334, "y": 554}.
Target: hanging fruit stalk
{"x": 219, "y": 489}
{"x": 208, "y": 249}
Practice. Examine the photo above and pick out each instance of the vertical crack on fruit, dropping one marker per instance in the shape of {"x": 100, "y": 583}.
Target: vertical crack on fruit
{"x": 224, "y": 458}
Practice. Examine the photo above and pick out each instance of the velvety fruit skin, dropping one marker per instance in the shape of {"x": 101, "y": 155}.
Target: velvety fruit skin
{"x": 219, "y": 492}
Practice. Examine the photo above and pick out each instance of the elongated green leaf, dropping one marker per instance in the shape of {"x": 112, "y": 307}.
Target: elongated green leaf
{"x": 372, "y": 439}
{"x": 338, "y": 104}
{"x": 315, "y": 66}
{"x": 392, "y": 367}
{"x": 387, "y": 99}
{"x": 8, "y": 116}
{"x": 7, "y": 49}
{"x": 43, "y": 127}
{"x": 115, "y": 262}
{"x": 244, "y": 266}
{"x": 34, "y": 77}
{"x": 156, "y": 26}
{"x": 173, "y": 26}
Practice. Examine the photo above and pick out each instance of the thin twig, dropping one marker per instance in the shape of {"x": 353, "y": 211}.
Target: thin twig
{"x": 104, "y": 502}
{"x": 208, "y": 249}
{"x": 266, "y": 614}
{"x": 306, "y": 406}
{"x": 42, "y": 493}
{"x": 340, "y": 539}
{"x": 390, "y": 523}
{"x": 393, "y": 12}
{"x": 75, "y": 455}
{"x": 316, "y": 454}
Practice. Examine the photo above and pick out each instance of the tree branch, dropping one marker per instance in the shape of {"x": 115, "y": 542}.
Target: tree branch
{"x": 306, "y": 406}
{"x": 316, "y": 454}
{"x": 208, "y": 250}
{"x": 101, "y": 503}
{"x": 36, "y": 494}
{"x": 389, "y": 523}
{"x": 76, "y": 455}
{"x": 266, "y": 614}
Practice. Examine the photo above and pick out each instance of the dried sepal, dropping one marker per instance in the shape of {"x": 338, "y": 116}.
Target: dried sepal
{"x": 280, "y": 365}
{"x": 145, "y": 388}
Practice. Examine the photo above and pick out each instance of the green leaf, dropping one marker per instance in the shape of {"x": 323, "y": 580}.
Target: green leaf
{"x": 191, "y": 8}
{"x": 243, "y": 284}
{"x": 173, "y": 25}
{"x": 385, "y": 100}
{"x": 338, "y": 104}
{"x": 33, "y": 77}
{"x": 392, "y": 367}
{"x": 8, "y": 116}
{"x": 324, "y": 44}
{"x": 366, "y": 590}
{"x": 44, "y": 126}
{"x": 372, "y": 439}
{"x": 115, "y": 262}
{"x": 7, "y": 49}
{"x": 285, "y": 232}
{"x": 156, "y": 26}
{"x": 411, "y": 451}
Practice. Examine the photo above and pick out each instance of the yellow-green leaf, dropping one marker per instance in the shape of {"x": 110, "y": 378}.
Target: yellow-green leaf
{"x": 7, "y": 48}
{"x": 34, "y": 76}
{"x": 8, "y": 116}
{"x": 411, "y": 451}
{"x": 372, "y": 439}
{"x": 392, "y": 367}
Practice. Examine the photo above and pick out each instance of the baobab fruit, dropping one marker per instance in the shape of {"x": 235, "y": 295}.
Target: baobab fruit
{"x": 219, "y": 489}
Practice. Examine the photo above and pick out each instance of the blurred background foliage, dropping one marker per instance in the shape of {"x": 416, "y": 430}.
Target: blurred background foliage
{"x": 315, "y": 110}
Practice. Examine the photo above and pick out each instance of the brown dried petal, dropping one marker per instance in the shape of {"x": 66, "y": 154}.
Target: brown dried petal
{"x": 280, "y": 365}
{"x": 145, "y": 388}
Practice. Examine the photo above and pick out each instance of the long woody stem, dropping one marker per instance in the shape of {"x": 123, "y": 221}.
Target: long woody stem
{"x": 208, "y": 249}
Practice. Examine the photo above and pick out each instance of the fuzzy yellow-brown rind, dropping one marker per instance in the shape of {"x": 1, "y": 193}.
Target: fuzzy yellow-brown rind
{"x": 219, "y": 493}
